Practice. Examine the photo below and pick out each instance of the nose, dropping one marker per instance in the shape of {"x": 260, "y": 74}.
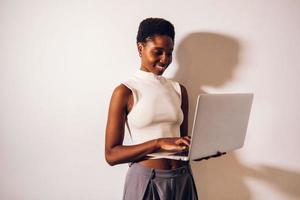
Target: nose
{"x": 165, "y": 58}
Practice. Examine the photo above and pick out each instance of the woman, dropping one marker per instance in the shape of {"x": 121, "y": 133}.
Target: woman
{"x": 155, "y": 110}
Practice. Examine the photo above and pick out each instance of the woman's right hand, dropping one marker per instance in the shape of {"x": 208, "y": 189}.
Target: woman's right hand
{"x": 174, "y": 143}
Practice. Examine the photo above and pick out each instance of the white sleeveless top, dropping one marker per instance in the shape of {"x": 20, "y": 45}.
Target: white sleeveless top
{"x": 156, "y": 110}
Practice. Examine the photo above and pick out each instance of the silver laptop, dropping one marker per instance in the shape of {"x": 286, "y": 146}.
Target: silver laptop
{"x": 220, "y": 125}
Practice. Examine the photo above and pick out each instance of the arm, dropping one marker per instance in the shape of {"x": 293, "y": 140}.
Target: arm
{"x": 115, "y": 151}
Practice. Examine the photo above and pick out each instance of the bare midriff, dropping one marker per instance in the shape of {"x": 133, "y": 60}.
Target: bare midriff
{"x": 163, "y": 163}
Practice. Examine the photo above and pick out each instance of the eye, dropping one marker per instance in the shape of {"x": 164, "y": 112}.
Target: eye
{"x": 158, "y": 52}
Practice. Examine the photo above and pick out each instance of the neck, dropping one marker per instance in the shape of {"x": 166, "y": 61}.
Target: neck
{"x": 144, "y": 69}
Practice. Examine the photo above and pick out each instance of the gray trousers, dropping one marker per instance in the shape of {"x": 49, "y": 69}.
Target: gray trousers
{"x": 143, "y": 183}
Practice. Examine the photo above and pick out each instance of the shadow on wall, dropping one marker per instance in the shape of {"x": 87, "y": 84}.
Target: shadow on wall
{"x": 224, "y": 178}
{"x": 210, "y": 59}
{"x": 205, "y": 59}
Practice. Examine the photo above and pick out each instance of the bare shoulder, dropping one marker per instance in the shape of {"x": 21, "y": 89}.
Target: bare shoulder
{"x": 121, "y": 95}
{"x": 121, "y": 91}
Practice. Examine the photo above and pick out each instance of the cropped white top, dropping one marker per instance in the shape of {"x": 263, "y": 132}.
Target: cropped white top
{"x": 156, "y": 110}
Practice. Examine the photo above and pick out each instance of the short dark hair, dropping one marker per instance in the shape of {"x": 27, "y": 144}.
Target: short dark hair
{"x": 150, "y": 27}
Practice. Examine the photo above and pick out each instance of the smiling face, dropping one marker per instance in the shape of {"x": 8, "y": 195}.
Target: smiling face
{"x": 156, "y": 54}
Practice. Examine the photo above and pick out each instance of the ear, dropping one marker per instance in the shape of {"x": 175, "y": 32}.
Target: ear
{"x": 140, "y": 48}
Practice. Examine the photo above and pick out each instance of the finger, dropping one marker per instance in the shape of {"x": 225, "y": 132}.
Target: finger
{"x": 206, "y": 158}
{"x": 218, "y": 154}
{"x": 187, "y": 138}
{"x": 180, "y": 148}
{"x": 183, "y": 141}
{"x": 175, "y": 148}
{"x": 221, "y": 153}
{"x": 179, "y": 145}
{"x": 199, "y": 159}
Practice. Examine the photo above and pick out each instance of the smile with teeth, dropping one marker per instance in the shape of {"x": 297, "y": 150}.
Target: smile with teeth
{"x": 161, "y": 67}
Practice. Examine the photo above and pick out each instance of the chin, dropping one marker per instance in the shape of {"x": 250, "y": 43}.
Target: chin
{"x": 160, "y": 70}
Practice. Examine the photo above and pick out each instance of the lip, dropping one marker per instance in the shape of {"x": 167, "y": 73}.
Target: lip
{"x": 160, "y": 67}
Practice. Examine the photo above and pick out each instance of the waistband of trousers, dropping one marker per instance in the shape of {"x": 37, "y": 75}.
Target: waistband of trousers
{"x": 162, "y": 173}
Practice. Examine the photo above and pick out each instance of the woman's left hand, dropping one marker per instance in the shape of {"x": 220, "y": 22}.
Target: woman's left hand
{"x": 213, "y": 156}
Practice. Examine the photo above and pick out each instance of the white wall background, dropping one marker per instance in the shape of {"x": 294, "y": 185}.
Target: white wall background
{"x": 60, "y": 61}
